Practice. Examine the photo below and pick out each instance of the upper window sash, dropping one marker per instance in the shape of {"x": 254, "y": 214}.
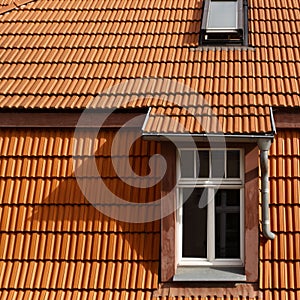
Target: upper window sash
{"x": 211, "y": 165}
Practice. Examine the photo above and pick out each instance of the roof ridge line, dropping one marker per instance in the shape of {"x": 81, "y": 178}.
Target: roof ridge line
{"x": 15, "y": 4}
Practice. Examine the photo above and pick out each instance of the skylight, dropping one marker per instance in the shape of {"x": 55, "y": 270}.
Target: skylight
{"x": 223, "y": 22}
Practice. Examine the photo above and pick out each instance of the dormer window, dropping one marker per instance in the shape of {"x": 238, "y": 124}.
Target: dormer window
{"x": 222, "y": 22}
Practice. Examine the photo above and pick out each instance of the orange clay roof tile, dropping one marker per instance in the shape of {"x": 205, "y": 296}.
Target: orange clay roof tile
{"x": 60, "y": 54}
{"x": 279, "y": 258}
{"x": 169, "y": 28}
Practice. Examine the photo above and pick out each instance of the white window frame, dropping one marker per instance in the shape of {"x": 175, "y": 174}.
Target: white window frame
{"x": 211, "y": 184}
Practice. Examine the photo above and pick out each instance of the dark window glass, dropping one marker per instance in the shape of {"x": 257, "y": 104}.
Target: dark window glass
{"x": 187, "y": 164}
{"x": 227, "y": 223}
{"x": 194, "y": 225}
{"x": 203, "y": 158}
{"x": 233, "y": 164}
{"x": 218, "y": 163}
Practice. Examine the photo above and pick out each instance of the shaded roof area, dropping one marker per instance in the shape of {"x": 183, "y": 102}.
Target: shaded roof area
{"x": 54, "y": 243}
{"x": 62, "y": 54}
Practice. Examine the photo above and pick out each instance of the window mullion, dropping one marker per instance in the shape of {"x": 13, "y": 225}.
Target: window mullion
{"x": 210, "y": 226}
{"x": 225, "y": 164}
{"x": 180, "y": 226}
{"x": 242, "y": 227}
{"x": 210, "y": 165}
{"x": 195, "y": 164}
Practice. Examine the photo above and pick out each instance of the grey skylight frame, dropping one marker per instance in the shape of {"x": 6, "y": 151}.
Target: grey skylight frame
{"x": 222, "y": 35}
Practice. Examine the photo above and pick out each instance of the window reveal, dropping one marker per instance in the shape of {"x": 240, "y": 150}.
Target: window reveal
{"x": 239, "y": 181}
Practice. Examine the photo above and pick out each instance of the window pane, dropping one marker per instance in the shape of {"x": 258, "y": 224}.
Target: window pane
{"x": 217, "y": 158}
{"x": 227, "y": 223}
{"x": 194, "y": 226}
{"x": 232, "y": 198}
{"x": 203, "y": 157}
{"x": 222, "y": 15}
{"x": 233, "y": 164}
{"x": 187, "y": 164}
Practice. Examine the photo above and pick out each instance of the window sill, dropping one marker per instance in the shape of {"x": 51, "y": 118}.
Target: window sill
{"x": 232, "y": 274}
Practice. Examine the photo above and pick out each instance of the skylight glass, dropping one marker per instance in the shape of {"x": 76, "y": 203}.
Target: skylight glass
{"x": 222, "y": 15}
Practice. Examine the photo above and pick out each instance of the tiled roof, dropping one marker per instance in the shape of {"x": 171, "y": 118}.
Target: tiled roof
{"x": 39, "y": 232}
{"x": 9, "y": 5}
{"x": 61, "y": 54}
{"x": 246, "y": 119}
{"x": 5, "y": 3}
{"x": 201, "y": 298}
{"x": 44, "y": 218}
{"x": 280, "y": 258}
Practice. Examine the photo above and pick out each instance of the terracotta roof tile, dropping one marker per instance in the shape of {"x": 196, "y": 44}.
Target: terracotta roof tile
{"x": 206, "y": 119}
{"x": 280, "y": 258}
{"x": 61, "y": 54}
{"x": 5, "y": 2}
{"x": 41, "y": 43}
{"x": 40, "y": 232}
{"x": 200, "y": 298}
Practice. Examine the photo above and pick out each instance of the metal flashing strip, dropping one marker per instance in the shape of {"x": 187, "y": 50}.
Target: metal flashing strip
{"x": 223, "y": 48}
{"x": 204, "y": 136}
{"x": 146, "y": 119}
{"x": 272, "y": 121}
